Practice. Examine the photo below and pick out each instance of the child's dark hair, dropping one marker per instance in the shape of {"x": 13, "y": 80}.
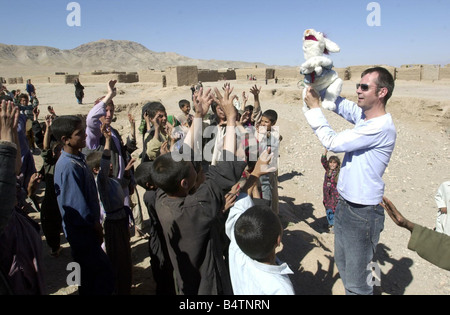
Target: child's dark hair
{"x": 25, "y": 96}
{"x": 143, "y": 175}
{"x": 271, "y": 115}
{"x": 248, "y": 108}
{"x": 257, "y": 232}
{"x": 65, "y": 126}
{"x": 183, "y": 103}
{"x": 153, "y": 108}
{"x": 93, "y": 159}
{"x": 167, "y": 173}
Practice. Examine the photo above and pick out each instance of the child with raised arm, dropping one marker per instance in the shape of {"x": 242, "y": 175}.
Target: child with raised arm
{"x": 330, "y": 192}
{"x": 117, "y": 233}
{"x": 255, "y": 233}
{"x": 78, "y": 202}
{"x": 268, "y": 136}
{"x": 50, "y": 216}
{"x": 120, "y": 152}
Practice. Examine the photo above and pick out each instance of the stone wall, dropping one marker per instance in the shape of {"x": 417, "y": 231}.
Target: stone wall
{"x": 151, "y": 76}
{"x": 444, "y": 73}
{"x": 409, "y": 72}
{"x": 227, "y": 74}
{"x": 205, "y": 75}
{"x": 182, "y": 75}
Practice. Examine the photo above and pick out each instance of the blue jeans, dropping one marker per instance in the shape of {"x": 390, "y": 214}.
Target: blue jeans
{"x": 357, "y": 232}
{"x": 330, "y": 217}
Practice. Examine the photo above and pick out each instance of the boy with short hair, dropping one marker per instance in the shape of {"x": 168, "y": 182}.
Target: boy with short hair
{"x": 161, "y": 133}
{"x": 255, "y": 233}
{"x": 185, "y": 118}
{"x": 269, "y": 138}
{"x": 80, "y": 210}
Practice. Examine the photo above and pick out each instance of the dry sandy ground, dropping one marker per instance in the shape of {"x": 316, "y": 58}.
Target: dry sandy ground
{"x": 420, "y": 163}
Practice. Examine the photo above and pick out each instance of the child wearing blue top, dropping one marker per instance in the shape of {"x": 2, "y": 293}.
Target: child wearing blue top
{"x": 80, "y": 210}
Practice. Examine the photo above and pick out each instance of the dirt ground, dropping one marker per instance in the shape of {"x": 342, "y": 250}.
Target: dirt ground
{"x": 420, "y": 163}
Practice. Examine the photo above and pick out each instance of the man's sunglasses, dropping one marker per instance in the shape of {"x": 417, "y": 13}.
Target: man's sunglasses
{"x": 364, "y": 87}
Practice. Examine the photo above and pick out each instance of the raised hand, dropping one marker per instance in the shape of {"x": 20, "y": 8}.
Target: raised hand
{"x": 132, "y": 125}
{"x": 9, "y": 119}
{"x": 226, "y": 101}
{"x": 255, "y": 90}
{"x": 51, "y": 111}
{"x": 262, "y": 165}
{"x": 244, "y": 98}
{"x": 112, "y": 87}
{"x": 106, "y": 131}
{"x": 36, "y": 112}
{"x": 202, "y": 101}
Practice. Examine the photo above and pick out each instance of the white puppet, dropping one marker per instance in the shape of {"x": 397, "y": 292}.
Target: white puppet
{"x": 318, "y": 69}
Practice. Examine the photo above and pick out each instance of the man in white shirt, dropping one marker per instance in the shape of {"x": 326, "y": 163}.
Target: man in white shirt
{"x": 368, "y": 148}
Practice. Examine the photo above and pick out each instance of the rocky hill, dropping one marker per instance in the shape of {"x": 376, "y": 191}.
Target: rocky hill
{"x": 107, "y": 55}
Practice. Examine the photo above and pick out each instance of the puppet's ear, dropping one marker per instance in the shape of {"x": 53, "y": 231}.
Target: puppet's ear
{"x": 331, "y": 46}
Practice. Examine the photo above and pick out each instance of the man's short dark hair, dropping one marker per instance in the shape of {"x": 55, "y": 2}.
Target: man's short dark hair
{"x": 385, "y": 80}
{"x": 257, "y": 231}
{"x": 271, "y": 115}
{"x": 65, "y": 126}
{"x": 167, "y": 173}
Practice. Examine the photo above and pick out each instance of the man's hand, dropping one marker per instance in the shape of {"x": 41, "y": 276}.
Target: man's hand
{"x": 312, "y": 98}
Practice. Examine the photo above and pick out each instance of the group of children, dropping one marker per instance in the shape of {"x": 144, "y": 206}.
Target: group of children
{"x": 90, "y": 178}
{"x": 202, "y": 239}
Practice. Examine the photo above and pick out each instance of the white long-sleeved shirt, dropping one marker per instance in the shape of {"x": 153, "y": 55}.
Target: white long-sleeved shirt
{"x": 443, "y": 201}
{"x": 368, "y": 149}
{"x": 248, "y": 276}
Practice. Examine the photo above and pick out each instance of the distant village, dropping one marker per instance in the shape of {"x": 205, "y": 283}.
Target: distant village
{"x": 189, "y": 75}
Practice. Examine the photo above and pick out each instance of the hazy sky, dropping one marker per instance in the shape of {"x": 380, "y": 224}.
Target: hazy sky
{"x": 271, "y": 32}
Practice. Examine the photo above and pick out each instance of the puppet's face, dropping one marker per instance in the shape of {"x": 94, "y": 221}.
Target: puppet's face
{"x": 316, "y": 44}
